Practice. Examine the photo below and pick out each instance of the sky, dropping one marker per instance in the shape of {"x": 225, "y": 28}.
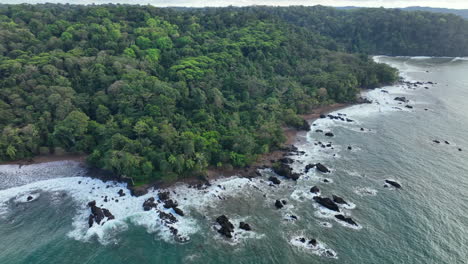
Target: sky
{"x": 458, "y": 4}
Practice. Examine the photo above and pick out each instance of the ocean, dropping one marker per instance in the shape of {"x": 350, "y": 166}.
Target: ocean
{"x": 44, "y": 212}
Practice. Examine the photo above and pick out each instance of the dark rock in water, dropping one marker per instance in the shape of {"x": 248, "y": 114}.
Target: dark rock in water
{"x": 303, "y": 240}
{"x": 149, "y": 204}
{"x": 121, "y": 193}
{"x": 327, "y": 203}
{"x": 90, "y": 220}
{"x": 170, "y": 204}
{"x": 401, "y": 99}
{"x": 350, "y": 148}
{"x": 98, "y": 214}
{"x": 349, "y": 120}
{"x": 338, "y": 200}
{"x": 436, "y": 141}
{"x": 326, "y": 180}
{"x": 178, "y": 211}
{"x": 168, "y": 218}
{"x": 409, "y": 106}
{"x": 308, "y": 167}
{"x": 329, "y": 134}
{"x": 362, "y": 129}
{"x": 393, "y": 183}
{"x": 226, "y": 226}
{"x": 446, "y": 142}
{"x": 329, "y": 145}
{"x": 245, "y": 226}
{"x": 108, "y": 214}
{"x": 319, "y": 131}
{"x": 284, "y": 202}
{"x": 163, "y": 196}
{"x": 320, "y": 167}
{"x": 322, "y": 116}
{"x": 313, "y": 242}
{"x": 29, "y": 198}
{"x": 285, "y": 171}
{"x": 346, "y": 219}
{"x": 459, "y": 149}
{"x": 274, "y": 180}
{"x": 314, "y": 189}
{"x": 79, "y": 182}
{"x": 278, "y": 204}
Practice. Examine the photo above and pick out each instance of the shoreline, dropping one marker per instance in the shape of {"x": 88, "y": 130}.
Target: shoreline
{"x": 264, "y": 160}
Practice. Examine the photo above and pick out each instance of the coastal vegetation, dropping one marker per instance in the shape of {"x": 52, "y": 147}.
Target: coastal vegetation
{"x": 155, "y": 93}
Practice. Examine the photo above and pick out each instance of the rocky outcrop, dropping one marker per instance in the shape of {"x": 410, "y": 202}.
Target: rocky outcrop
{"x": 98, "y": 214}
{"x": 284, "y": 170}
{"x": 327, "y": 203}
{"x": 178, "y": 211}
{"x": 149, "y": 204}
{"x": 348, "y": 220}
{"x": 227, "y": 228}
{"x": 329, "y": 134}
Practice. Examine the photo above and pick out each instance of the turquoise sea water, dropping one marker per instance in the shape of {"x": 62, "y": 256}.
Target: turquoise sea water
{"x": 424, "y": 222}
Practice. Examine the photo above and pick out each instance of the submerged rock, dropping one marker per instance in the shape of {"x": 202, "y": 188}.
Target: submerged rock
{"x": 327, "y": 203}
{"x": 329, "y": 134}
{"x": 436, "y": 141}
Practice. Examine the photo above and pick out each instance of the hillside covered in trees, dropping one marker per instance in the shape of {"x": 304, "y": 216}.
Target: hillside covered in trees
{"x": 165, "y": 93}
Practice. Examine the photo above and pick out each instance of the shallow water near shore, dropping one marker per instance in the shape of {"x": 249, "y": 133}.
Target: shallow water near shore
{"x": 424, "y": 222}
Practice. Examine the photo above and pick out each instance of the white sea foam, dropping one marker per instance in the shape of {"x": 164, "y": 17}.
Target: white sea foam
{"x": 320, "y": 249}
{"x": 365, "y": 191}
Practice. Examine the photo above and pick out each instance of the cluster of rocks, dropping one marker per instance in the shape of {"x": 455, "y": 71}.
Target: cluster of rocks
{"x": 446, "y": 142}
{"x": 166, "y": 218}
{"x": 323, "y": 145}
{"x": 98, "y": 215}
{"x": 227, "y": 228}
{"x": 339, "y": 116}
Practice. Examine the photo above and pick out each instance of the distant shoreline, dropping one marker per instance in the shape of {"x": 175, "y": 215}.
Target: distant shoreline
{"x": 78, "y": 157}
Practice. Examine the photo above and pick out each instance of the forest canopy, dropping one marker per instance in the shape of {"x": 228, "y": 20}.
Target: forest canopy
{"x": 156, "y": 93}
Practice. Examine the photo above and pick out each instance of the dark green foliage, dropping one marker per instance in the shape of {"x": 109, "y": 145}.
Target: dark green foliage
{"x": 164, "y": 93}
